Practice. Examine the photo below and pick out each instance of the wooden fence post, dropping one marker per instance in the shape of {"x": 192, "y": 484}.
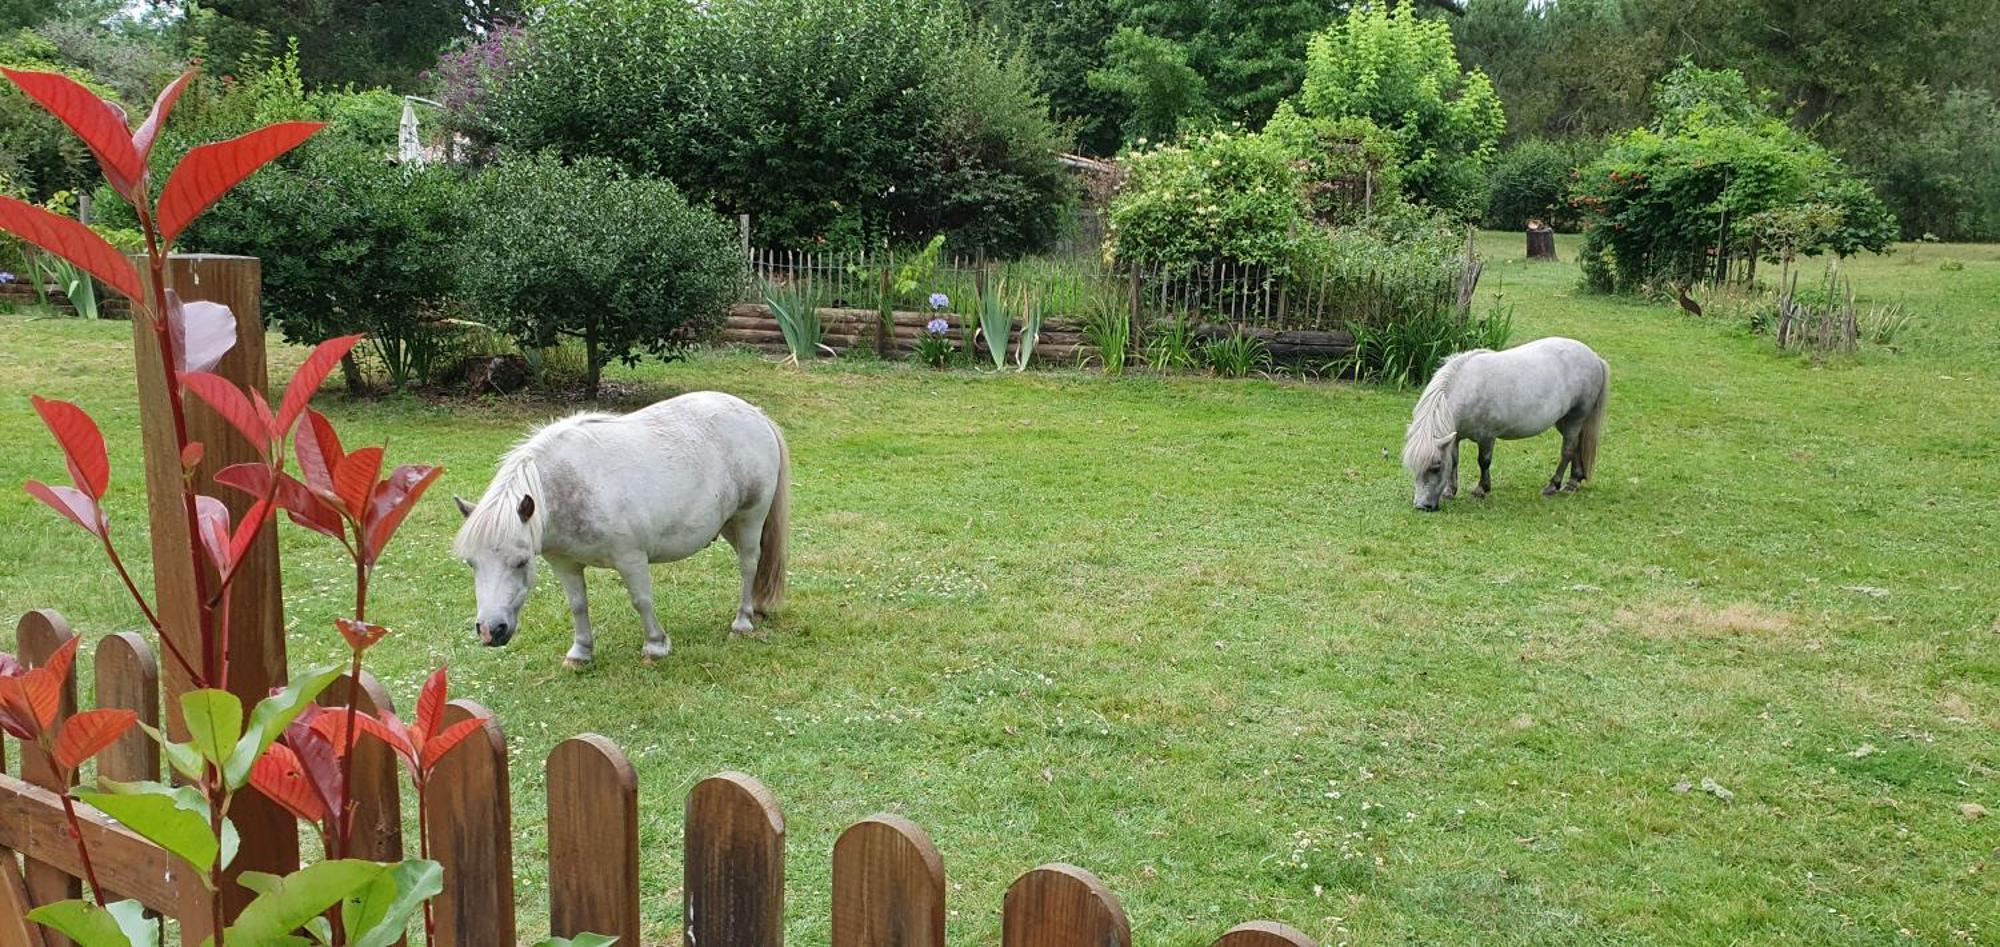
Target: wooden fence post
{"x": 129, "y": 678}
{"x": 593, "y": 840}
{"x": 1062, "y": 906}
{"x": 472, "y": 835}
{"x": 888, "y": 886}
{"x": 375, "y": 783}
{"x": 1264, "y": 934}
{"x": 38, "y": 636}
{"x": 257, "y": 643}
{"x": 734, "y": 889}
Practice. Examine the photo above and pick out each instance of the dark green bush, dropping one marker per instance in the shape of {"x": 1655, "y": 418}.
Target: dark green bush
{"x": 1945, "y": 179}
{"x": 823, "y": 119}
{"x": 353, "y": 243}
{"x": 1531, "y": 181}
{"x": 589, "y": 252}
{"x": 1223, "y": 195}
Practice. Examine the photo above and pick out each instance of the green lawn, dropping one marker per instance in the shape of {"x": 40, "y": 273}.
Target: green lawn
{"x": 1190, "y": 635}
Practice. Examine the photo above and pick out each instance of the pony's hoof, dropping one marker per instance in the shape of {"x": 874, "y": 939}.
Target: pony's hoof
{"x": 1479, "y": 493}
{"x": 1551, "y": 490}
{"x": 1571, "y": 486}
{"x": 573, "y": 664}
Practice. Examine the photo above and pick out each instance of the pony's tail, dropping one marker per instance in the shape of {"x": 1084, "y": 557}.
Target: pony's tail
{"x": 1593, "y": 428}
{"x": 767, "y": 591}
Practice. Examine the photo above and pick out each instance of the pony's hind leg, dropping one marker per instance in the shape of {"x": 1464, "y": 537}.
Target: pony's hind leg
{"x": 746, "y": 536}
{"x": 638, "y": 575}
{"x": 1485, "y": 470}
{"x": 1568, "y": 459}
{"x": 584, "y": 641}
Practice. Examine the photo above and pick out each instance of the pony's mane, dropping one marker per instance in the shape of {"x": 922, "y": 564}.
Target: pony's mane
{"x": 1434, "y": 420}
{"x": 495, "y": 519}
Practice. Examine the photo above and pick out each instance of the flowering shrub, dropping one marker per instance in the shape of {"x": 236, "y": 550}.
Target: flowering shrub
{"x": 1221, "y": 195}
{"x": 934, "y": 346}
{"x": 467, "y": 77}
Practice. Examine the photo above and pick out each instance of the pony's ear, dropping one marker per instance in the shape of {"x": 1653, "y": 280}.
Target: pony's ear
{"x": 1448, "y": 439}
{"x": 464, "y": 508}
{"x": 527, "y": 508}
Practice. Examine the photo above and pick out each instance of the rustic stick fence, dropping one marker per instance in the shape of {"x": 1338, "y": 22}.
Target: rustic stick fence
{"x": 888, "y": 879}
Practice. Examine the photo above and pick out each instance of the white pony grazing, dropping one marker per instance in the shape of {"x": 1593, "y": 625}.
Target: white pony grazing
{"x": 622, "y": 492}
{"x": 1482, "y": 395}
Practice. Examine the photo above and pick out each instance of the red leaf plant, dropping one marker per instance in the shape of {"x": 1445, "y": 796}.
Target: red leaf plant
{"x": 337, "y": 493}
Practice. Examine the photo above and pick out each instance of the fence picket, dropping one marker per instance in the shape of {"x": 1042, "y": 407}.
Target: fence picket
{"x": 472, "y": 835}
{"x": 128, "y": 677}
{"x": 375, "y": 783}
{"x": 735, "y": 882}
{"x": 1264, "y": 934}
{"x": 37, "y": 637}
{"x": 1062, "y": 906}
{"x": 15, "y": 928}
{"x": 888, "y": 886}
{"x": 593, "y": 840}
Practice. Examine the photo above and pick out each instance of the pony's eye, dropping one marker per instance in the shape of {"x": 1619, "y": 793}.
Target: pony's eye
{"x": 520, "y": 564}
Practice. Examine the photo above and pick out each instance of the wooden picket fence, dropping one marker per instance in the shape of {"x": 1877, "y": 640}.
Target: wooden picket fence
{"x": 888, "y": 879}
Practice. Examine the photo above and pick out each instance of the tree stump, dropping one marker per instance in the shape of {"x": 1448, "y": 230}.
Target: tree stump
{"x": 1541, "y": 241}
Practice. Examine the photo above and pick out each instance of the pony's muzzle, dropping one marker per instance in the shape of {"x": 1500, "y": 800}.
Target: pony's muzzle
{"x": 495, "y": 634}
{"x": 1427, "y": 507}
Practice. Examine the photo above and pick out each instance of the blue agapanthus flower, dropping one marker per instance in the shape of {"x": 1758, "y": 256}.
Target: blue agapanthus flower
{"x": 5, "y": 277}
{"x": 937, "y": 327}
{"x": 940, "y": 301}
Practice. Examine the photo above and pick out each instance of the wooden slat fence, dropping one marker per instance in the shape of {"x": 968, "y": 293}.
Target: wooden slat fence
{"x": 888, "y": 880}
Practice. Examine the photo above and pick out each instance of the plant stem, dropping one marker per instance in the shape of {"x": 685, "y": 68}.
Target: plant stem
{"x": 153, "y": 619}
{"x": 346, "y": 833}
{"x": 82, "y": 850}
{"x": 424, "y": 852}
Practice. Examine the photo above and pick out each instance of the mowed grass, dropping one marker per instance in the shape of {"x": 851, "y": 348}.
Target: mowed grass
{"x": 1189, "y": 633}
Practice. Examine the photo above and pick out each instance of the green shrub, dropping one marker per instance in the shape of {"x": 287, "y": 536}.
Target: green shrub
{"x": 1236, "y": 354}
{"x": 822, "y": 119}
{"x": 1400, "y": 71}
{"x": 1676, "y": 202}
{"x": 587, "y": 251}
{"x": 1405, "y": 352}
{"x": 1222, "y": 195}
{"x": 1531, "y": 181}
{"x": 353, "y": 243}
{"x": 1348, "y": 168}
{"x": 1945, "y": 178}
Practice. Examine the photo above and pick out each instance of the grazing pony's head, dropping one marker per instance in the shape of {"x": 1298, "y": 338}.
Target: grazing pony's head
{"x": 1433, "y": 430}
{"x": 500, "y": 540}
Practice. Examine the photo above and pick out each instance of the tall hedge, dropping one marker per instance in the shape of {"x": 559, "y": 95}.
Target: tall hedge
{"x": 824, "y": 119}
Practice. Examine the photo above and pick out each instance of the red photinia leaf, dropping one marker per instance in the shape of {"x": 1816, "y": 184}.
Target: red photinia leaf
{"x": 431, "y": 700}
{"x": 360, "y": 635}
{"x": 142, "y": 140}
{"x": 73, "y": 504}
{"x": 82, "y": 444}
{"x": 392, "y": 500}
{"x": 247, "y": 530}
{"x": 264, "y": 414}
{"x": 437, "y": 746}
{"x": 208, "y": 172}
{"x": 88, "y": 733}
{"x": 282, "y": 778}
{"x": 354, "y": 479}
{"x": 313, "y": 371}
{"x": 17, "y": 719}
{"x": 309, "y": 510}
{"x": 73, "y": 242}
{"x": 317, "y": 756}
{"x": 393, "y": 734}
{"x": 253, "y": 479}
{"x": 320, "y": 454}
{"x": 192, "y": 454}
{"x": 100, "y": 124}
{"x": 203, "y": 332}
{"x": 228, "y": 401}
{"x": 43, "y": 685}
{"x": 212, "y": 519}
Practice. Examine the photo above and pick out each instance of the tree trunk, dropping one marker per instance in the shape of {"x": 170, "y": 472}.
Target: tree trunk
{"x": 351, "y": 370}
{"x": 594, "y": 367}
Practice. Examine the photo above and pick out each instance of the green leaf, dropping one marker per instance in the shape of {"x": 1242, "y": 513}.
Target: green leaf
{"x": 181, "y": 756}
{"x": 269, "y": 719}
{"x": 380, "y": 914}
{"x": 214, "y": 722}
{"x": 174, "y": 818}
{"x": 288, "y": 904}
{"x": 123, "y": 924}
{"x": 580, "y": 940}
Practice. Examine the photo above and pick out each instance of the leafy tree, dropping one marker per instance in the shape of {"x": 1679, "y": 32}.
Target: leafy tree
{"x": 1066, "y": 38}
{"x": 1531, "y": 181}
{"x": 1400, "y": 72}
{"x": 1214, "y": 196}
{"x": 342, "y": 42}
{"x": 1152, "y": 76}
{"x": 1944, "y": 180}
{"x": 590, "y": 252}
{"x": 824, "y": 120}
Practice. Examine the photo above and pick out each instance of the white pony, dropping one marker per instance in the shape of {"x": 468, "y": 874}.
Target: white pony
{"x": 622, "y": 492}
{"x": 1482, "y": 395}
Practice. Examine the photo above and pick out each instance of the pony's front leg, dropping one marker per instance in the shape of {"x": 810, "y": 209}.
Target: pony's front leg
{"x": 1451, "y": 473}
{"x": 638, "y": 576}
{"x": 1485, "y": 470}
{"x": 584, "y": 641}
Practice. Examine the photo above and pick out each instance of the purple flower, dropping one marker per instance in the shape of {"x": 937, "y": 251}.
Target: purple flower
{"x": 939, "y": 301}
{"x": 5, "y": 278}
{"x": 937, "y": 326}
